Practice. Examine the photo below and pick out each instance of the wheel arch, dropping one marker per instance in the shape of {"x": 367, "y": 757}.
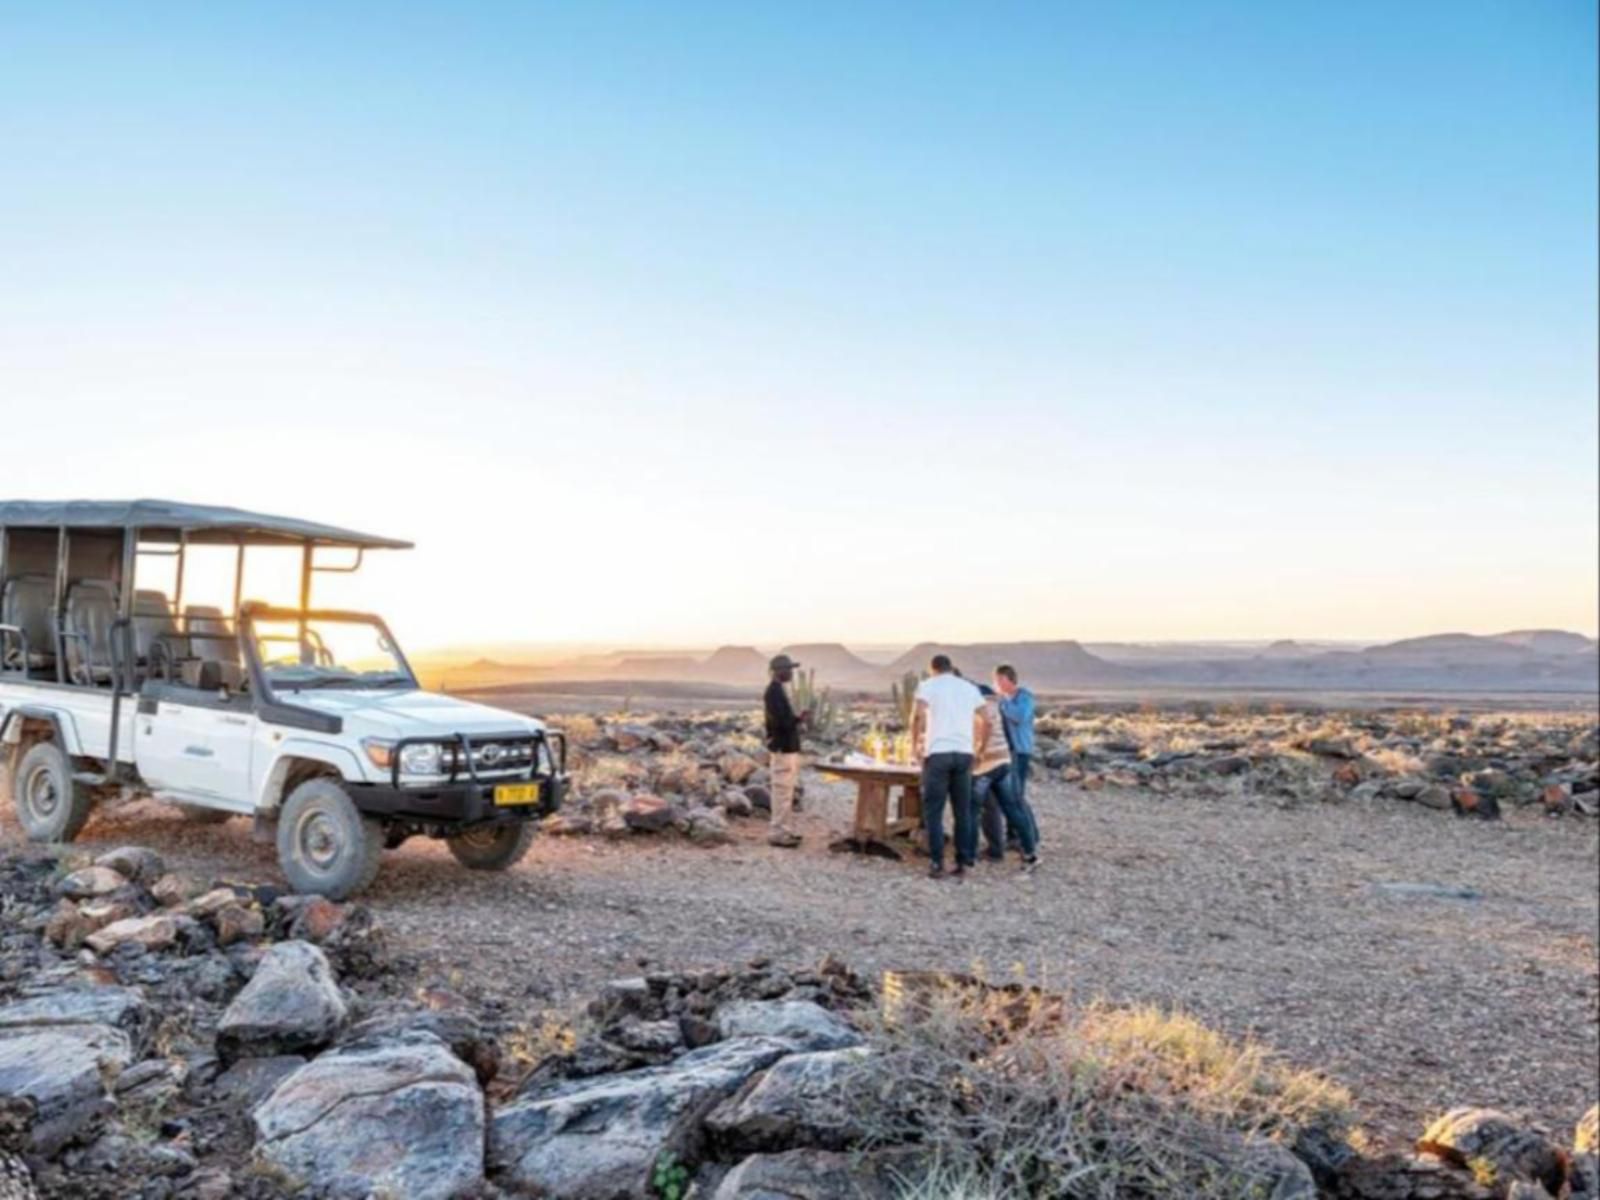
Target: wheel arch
{"x": 297, "y": 761}
{"x": 26, "y": 724}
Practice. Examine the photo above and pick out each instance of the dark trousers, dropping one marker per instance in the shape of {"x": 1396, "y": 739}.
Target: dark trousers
{"x": 948, "y": 777}
{"x": 994, "y": 795}
{"x": 1021, "y": 765}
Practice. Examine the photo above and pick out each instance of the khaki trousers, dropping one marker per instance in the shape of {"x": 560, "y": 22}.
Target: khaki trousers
{"x": 785, "y": 772}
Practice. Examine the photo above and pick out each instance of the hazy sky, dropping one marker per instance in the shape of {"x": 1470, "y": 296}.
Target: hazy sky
{"x": 695, "y": 323}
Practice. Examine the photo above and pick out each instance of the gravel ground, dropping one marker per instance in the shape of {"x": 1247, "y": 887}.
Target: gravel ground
{"x": 1262, "y": 920}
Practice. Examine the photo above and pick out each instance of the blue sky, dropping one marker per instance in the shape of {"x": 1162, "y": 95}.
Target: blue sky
{"x": 855, "y": 321}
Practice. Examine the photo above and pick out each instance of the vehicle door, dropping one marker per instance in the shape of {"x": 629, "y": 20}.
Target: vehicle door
{"x": 195, "y": 744}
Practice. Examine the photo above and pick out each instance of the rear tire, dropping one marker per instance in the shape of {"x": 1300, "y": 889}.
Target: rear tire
{"x": 325, "y": 845}
{"x": 50, "y": 804}
{"x": 196, "y": 814}
{"x": 492, "y": 847}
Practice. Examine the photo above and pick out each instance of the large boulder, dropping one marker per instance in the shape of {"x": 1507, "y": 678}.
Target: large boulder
{"x": 401, "y": 1117}
{"x": 1472, "y": 1138}
{"x": 820, "y": 1175}
{"x": 155, "y": 932}
{"x": 599, "y": 1138}
{"x": 112, "y": 1022}
{"x": 798, "y": 1101}
{"x": 648, "y": 814}
{"x": 60, "y": 1073}
{"x": 804, "y": 1023}
{"x": 291, "y": 1004}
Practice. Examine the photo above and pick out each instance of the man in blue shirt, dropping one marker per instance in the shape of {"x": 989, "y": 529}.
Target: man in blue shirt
{"x": 1017, "y": 709}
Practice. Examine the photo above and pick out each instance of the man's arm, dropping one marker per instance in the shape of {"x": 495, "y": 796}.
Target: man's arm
{"x": 1018, "y": 708}
{"x": 919, "y": 722}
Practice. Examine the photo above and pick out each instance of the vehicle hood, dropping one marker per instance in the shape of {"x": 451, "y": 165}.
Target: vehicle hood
{"x": 385, "y": 712}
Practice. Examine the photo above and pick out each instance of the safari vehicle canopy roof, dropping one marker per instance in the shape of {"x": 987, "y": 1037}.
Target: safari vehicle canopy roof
{"x": 200, "y": 522}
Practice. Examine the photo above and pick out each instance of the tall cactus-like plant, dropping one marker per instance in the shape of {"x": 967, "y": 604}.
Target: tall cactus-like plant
{"x": 824, "y": 711}
{"x": 904, "y": 695}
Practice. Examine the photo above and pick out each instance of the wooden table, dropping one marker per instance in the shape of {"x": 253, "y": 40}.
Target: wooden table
{"x": 875, "y": 784}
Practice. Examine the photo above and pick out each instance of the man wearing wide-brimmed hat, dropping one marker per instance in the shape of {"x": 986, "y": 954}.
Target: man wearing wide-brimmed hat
{"x": 783, "y": 745}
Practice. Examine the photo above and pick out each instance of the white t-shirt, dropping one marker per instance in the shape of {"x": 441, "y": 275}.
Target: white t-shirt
{"x": 951, "y": 702}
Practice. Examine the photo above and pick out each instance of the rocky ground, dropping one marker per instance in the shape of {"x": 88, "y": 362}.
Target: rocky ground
{"x": 1426, "y": 956}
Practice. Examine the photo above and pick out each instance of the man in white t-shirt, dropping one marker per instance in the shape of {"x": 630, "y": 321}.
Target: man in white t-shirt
{"x": 947, "y": 723}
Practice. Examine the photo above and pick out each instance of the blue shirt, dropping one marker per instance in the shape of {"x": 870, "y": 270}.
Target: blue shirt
{"x": 1017, "y": 712}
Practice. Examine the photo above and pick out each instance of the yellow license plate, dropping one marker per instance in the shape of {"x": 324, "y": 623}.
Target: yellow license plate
{"x": 516, "y": 793}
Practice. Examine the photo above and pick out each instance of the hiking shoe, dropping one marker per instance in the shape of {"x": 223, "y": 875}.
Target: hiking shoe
{"x": 783, "y": 838}
{"x": 1030, "y": 865}
{"x": 936, "y": 871}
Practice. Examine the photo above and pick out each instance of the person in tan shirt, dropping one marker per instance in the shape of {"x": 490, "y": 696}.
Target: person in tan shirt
{"x": 993, "y": 796}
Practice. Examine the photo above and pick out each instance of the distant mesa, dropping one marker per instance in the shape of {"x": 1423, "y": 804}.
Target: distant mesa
{"x": 1041, "y": 664}
{"x": 732, "y": 664}
{"x": 835, "y": 664}
{"x": 1549, "y": 641}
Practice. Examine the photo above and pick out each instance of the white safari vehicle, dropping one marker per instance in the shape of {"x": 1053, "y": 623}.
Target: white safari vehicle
{"x": 308, "y": 720}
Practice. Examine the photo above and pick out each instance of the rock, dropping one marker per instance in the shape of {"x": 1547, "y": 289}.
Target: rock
{"x": 1467, "y": 1136}
{"x": 648, "y": 1037}
{"x": 16, "y": 1181}
{"x": 627, "y": 738}
{"x": 562, "y": 824}
{"x": 1434, "y": 796}
{"x": 798, "y": 1101}
{"x": 760, "y": 798}
{"x": 736, "y": 804}
{"x": 823, "y": 1175}
{"x": 1230, "y": 764}
{"x": 236, "y": 923}
{"x": 737, "y": 768}
{"x": 1583, "y": 1176}
{"x": 67, "y": 926}
{"x": 61, "y": 1075}
{"x": 1469, "y": 803}
{"x": 89, "y": 882}
{"x": 1557, "y": 798}
{"x": 136, "y": 863}
{"x": 804, "y": 1023}
{"x": 251, "y": 1080}
{"x": 1331, "y": 747}
{"x": 599, "y": 1138}
{"x": 291, "y": 1004}
{"x": 401, "y": 1118}
{"x": 1493, "y": 782}
{"x": 213, "y": 901}
{"x": 113, "y": 1022}
{"x": 153, "y": 933}
{"x": 171, "y": 890}
{"x": 708, "y": 827}
{"x": 1407, "y": 789}
{"x": 647, "y": 814}
{"x": 458, "y": 1029}
{"x": 317, "y": 920}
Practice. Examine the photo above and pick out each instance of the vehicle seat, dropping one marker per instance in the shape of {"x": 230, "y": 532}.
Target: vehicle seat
{"x": 152, "y": 618}
{"x": 208, "y": 674}
{"x": 205, "y": 619}
{"x": 27, "y": 602}
{"x": 91, "y": 609}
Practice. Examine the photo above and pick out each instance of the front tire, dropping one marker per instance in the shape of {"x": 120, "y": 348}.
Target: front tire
{"x": 325, "y": 845}
{"x": 492, "y": 847}
{"x": 50, "y": 804}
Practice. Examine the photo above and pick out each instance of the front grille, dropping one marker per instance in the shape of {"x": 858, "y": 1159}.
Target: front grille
{"x": 493, "y": 756}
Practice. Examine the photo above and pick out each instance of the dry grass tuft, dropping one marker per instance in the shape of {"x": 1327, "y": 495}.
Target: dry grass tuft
{"x": 1014, "y": 1093}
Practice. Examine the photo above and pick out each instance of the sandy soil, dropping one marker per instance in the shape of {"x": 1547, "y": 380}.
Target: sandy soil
{"x": 1263, "y": 920}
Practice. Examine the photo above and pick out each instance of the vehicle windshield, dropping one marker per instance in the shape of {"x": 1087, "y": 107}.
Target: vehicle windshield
{"x": 328, "y": 652}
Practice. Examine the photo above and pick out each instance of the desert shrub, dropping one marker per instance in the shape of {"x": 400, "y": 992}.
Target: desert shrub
{"x": 1015, "y": 1093}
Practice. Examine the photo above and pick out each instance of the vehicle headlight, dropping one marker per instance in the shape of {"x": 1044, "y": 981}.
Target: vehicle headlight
{"x": 420, "y": 759}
